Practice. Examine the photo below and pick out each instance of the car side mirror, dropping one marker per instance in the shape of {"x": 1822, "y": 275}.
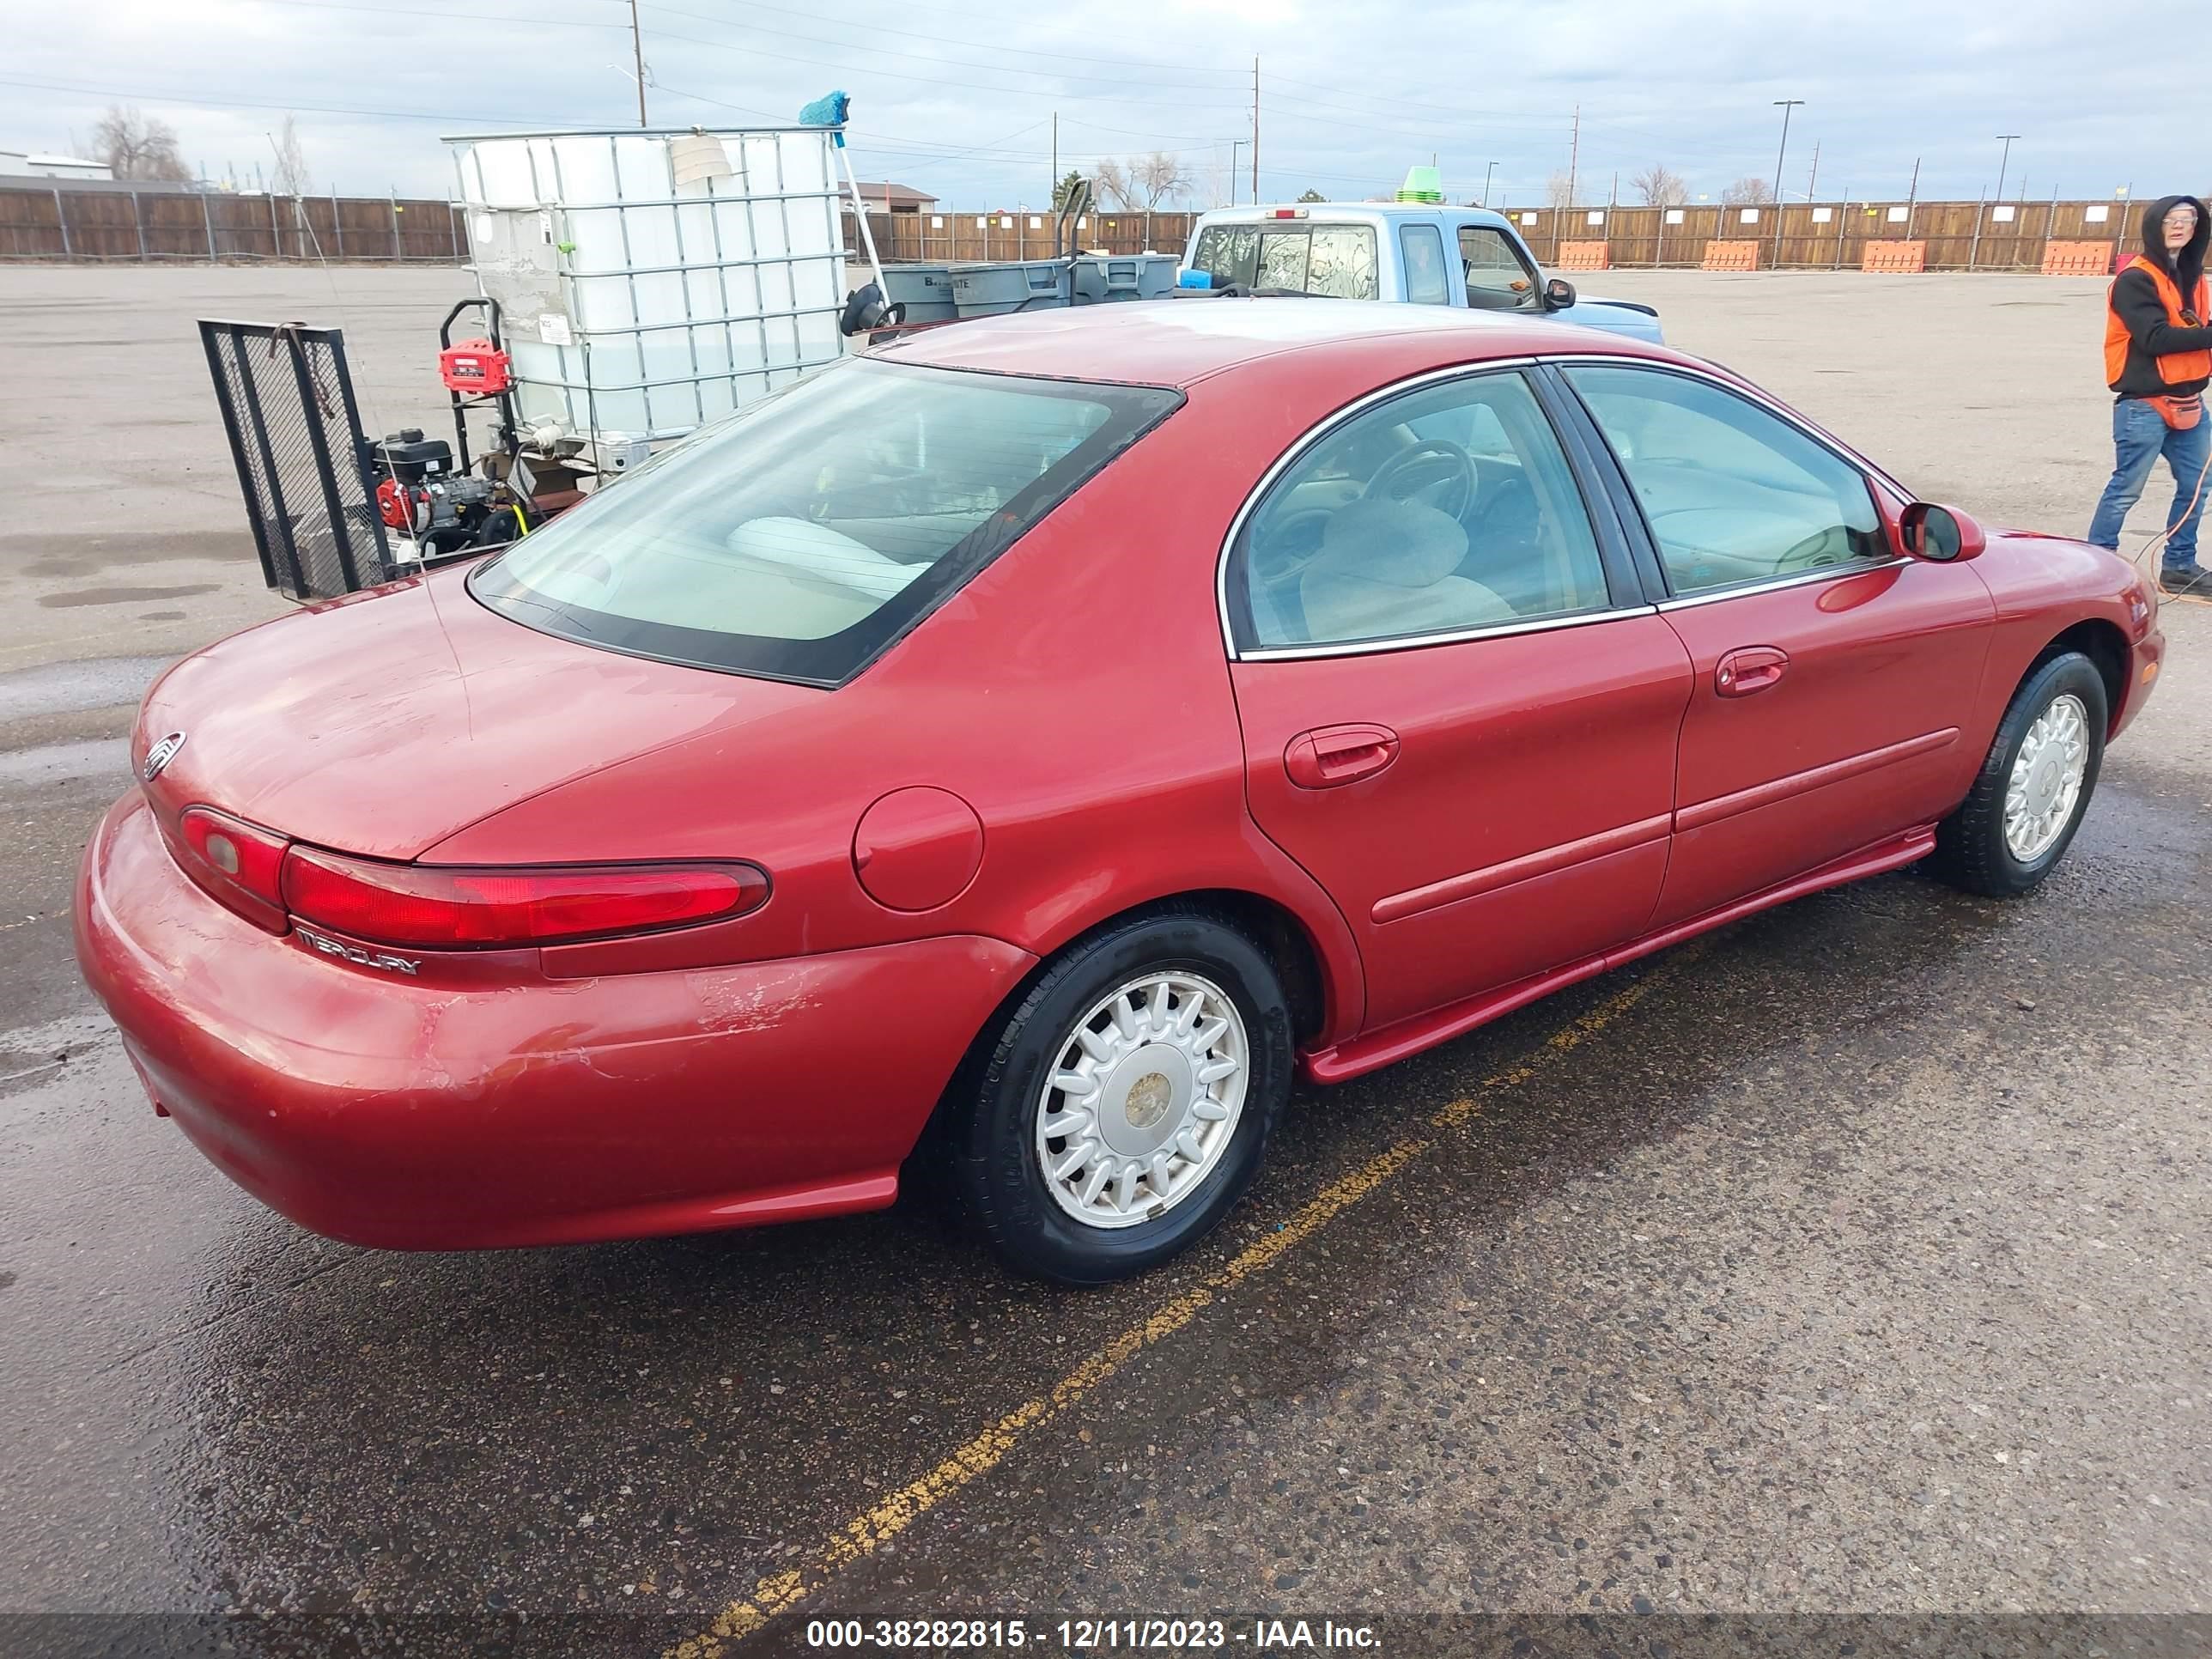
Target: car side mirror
{"x": 1558, "y": 294}
{"x": 1941, "y": 535}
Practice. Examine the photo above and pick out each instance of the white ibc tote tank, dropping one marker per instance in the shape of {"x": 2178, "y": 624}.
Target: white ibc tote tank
{"x": 650, "y": 281}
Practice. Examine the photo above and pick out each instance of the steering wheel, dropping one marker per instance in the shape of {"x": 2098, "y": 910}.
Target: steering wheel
{"x": 1428, "y": 463}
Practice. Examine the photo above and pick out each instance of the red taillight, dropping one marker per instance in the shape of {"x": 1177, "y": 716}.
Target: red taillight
{"x": 237, "y": 863}
{"x": 434, "y": 907}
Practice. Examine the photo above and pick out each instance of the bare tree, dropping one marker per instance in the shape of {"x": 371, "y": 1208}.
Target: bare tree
{"x": 1660, "y": 187}
{"x": 1140, "y": 184}
{"x": 137, "y": 146}
{"x": 1116, "y": 188}
{"x": 290, "y": 178}
{"x": 1559, "y": 191}
{"x": 1748, "y": 191}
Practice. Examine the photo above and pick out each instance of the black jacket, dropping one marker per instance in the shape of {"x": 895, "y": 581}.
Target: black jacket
{"x": 2136, "y": 304}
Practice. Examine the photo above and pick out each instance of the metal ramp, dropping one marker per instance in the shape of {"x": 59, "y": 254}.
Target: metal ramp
{"x": 287, "y": 408}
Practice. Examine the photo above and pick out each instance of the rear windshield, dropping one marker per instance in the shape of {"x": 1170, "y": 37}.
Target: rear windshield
{"x": 799, "y": 537}
{"x": 1336, "y": 260}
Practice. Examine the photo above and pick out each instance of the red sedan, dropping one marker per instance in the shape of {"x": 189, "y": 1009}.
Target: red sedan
{"x": 1070, "y": 727}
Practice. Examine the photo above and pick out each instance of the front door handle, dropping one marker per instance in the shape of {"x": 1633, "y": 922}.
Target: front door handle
{"x": 1749, "y": 668}
{"x": 1330, "y": 757}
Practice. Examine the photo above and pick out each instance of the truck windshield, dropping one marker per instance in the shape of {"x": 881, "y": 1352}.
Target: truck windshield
{"x": 1336, "y": 261}
{"x": 799, "y": 537}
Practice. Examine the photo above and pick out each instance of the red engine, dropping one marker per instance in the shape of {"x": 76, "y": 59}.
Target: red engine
{"x": 400, "y": 507}
{"x": 474, "y": 369}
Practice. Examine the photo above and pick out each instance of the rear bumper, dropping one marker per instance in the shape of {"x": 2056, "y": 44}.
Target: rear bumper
{"x": 417, "y": 1115}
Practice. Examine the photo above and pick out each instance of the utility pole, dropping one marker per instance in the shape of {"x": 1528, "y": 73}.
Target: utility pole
{"x": 1255, "y": 128}
{"x": 1053, "y": 200}
{"x": 1235, "y": 144}
{"x": 637, "y": 53}
{"x": 1912, "y": 199}
{"x": 2008, "y": 137}
{"x": 1815, "y": 175}
{"x": 1785, "y": 105}
{"x": 1486, "y": 173}
{"x": 1574, "y": 159}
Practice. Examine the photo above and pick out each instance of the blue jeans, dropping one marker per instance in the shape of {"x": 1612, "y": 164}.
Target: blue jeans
{"x": 2140, "y": 436}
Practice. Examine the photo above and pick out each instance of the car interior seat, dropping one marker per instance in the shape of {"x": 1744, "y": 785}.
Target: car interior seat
{"x": 1388, "y": 568}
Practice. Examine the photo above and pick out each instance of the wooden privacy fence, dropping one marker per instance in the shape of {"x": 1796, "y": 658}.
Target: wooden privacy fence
{"x": 150, "y": 226}
{"x": 1802, "y": 236}
{"x": 1836, "y": 236}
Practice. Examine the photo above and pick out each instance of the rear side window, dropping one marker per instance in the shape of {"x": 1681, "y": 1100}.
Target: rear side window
{"x": 799, "y": 537}
{"x": 1446, "y": 509}
{"x": 1422, "y": 247}
{"x": 1336, "y": 260}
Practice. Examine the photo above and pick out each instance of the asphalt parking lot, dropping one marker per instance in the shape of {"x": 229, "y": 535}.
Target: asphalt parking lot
{"x": 1853, "y": 1260}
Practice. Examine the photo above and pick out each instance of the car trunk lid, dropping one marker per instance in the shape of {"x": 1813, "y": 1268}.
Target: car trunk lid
{"x": 383, "y": 723}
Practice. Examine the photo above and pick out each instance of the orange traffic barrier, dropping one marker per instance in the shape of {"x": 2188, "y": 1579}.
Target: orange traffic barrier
{"x": 1731, "y": 256}
{"x": 2077, "y": 259}
{"x": 1585, "y": 256}
{"x": 1895, "y": 258}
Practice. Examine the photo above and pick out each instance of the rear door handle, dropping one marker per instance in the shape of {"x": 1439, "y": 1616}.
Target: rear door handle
{"x": 1749, "y": 668}
{"x": 1330, "y": 757}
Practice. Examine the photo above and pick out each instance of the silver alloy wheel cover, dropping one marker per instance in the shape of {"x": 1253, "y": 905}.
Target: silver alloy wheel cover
{"x": 2044, "y": 786}
{"x": 1142, "y": 1099}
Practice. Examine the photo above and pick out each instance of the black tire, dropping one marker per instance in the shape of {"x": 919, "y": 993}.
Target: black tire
{"x": 1970, "y": 851}
{"x": 995, "y": 1168}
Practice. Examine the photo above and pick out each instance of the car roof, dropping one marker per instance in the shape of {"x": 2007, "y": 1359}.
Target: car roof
{"x": 1177, "y": 342}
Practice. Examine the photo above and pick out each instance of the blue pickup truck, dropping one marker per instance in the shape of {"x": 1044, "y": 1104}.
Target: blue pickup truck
{"x": 1420, "y": 254}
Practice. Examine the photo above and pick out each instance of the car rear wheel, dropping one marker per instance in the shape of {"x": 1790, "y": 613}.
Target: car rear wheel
{"x": 1126, "y": 1101}
{"x": 2034, "y": 784}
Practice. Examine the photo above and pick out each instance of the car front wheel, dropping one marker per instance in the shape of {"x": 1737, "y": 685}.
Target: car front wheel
{"x": 1126, "y": 1101}
{"x": 2034, "y": 785}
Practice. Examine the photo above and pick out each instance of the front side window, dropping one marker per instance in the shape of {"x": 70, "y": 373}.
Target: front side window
{"x": 798, "y": 538}
{"x": 1448, "y": 508}
{"x": 1336, "y": 260}
{"x": 1422, "y": 247}
{"x": 1732, "y": 492}
{"x": 1497, "y": 280}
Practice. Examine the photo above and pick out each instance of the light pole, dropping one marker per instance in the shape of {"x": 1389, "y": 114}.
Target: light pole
{"x": 2004, "y": 160}
{"x": 1486, "y": 173}
{"x": 1235, "y": 144}
{"x": 1785, "y": 105}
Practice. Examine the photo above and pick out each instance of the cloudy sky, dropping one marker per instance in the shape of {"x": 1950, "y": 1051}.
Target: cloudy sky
{"x": 959, "y": 101}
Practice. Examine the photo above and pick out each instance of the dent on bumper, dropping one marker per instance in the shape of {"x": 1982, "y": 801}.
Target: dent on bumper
{"x": 420, "y": 1116}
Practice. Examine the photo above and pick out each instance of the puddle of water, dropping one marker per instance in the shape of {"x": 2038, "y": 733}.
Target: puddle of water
{"x": 66, "y": 688}
{"x": 121, "y": 595}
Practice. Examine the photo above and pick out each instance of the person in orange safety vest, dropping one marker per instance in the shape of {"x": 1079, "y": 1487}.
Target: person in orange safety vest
{"x": 2158, "y": 359}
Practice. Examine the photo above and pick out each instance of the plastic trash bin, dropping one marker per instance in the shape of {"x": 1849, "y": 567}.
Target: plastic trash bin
{"x": 926, "y": 291}
{"x": 988, "y": 290}
{"x": 1100, "y": 278}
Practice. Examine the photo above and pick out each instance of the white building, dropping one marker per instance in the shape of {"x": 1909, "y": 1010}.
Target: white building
{"x": 30, "y": 164}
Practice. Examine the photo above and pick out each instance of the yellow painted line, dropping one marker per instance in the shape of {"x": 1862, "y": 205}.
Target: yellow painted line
{"x": 892, "y": 1513}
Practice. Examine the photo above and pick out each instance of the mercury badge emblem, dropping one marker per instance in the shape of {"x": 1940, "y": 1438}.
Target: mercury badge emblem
{"x": 161, "y": 755}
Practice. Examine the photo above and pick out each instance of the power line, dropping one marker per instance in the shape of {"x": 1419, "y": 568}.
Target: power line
{"x": 844, "y": 48}
{"x": 983, "y": 45}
